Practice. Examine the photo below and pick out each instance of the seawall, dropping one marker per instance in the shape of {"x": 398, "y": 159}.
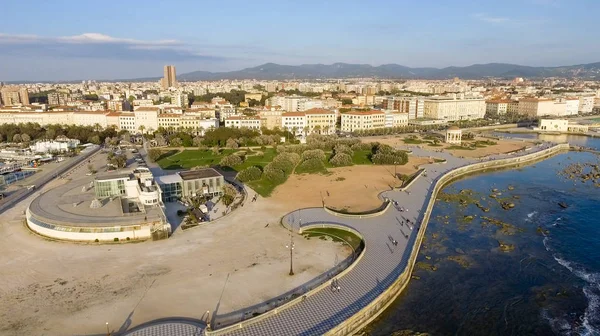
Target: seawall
{"x": 370, "y": 312}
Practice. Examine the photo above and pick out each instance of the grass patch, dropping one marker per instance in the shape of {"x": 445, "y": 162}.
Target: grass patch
{"x": 362, "y": 157}
{"x": 318, "y": 170}
{"x": 460, "y": 148}
{"x": 413, "y": 141}
{"x": 338, "y": 235}
{"x": 263, "y": 187}
{"x": 191, "y": 158}
{"x": 258, "y": 159}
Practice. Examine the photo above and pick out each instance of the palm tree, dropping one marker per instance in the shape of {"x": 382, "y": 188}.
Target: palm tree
{"x": 306, "y": 129}
{"x": 142, "y": 128}
{"x": 326, "y": 129}
{"x": 317, "y": 129}
{"x": 97, "y": 127}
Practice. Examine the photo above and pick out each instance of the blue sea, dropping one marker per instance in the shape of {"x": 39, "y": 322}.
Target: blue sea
{"x": 547, "y": 283}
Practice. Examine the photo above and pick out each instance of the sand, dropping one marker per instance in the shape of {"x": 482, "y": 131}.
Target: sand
{"x": 60, "y": 288}
{"x": 353, "y": 188}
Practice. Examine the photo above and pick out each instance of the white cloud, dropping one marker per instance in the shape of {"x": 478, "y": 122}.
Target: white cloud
{"x": 490, "y": 19}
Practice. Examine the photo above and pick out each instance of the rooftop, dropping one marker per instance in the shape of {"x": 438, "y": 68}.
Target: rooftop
{"x": 198, "y": 174}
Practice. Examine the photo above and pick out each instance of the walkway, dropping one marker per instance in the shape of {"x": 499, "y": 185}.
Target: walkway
{"x": 382, "y": 262}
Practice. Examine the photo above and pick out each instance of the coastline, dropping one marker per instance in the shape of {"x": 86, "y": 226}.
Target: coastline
{"x": 393, "y": 291}
{"x": 360, "y": 318}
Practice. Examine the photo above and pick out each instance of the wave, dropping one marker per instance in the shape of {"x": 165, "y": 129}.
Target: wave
{"x": 560, "y": 326}
{"x": 529, "y": 215}
{"x": 591, "y": 319}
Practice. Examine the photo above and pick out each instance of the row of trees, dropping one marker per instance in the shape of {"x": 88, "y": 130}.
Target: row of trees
{"x": 27, "y": 132}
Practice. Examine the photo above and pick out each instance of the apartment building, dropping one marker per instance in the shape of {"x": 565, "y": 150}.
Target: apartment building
{"x": 586, "y": 104}
{"x": 512, "y": 107}
{"x": 362, "y": 120}
{"x": 180, "y": 99}
{"x": 395, "y": 119}
{"x": 536, "y": 107}
{"x": 320, "y": 120}
{"x": 496, "y": 107}
{"x": 169, "y": 121}
{"x": 271, "y": 118}
{"x": 127, "y": 122}
{"x": 294, "y": 122}
{"x": 197, "y": 125}
{"x": 364, "y": 100}
{"x": 90, "y": 118}
{"x": 244, "y": 121}
{"x": 170, "y": 77}
{"x": 203, "y": 112}
{"x": 453, "y": 109}
{"x": 14, "y": 95}
{"x": 413, "y": 106}
{"x": 146, "y": 118}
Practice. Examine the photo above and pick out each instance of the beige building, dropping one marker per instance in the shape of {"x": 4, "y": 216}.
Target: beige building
{"x": 413, "y": 106}
{"x": 90, "y": 118}
{"x": 362, "y": 120}
{"x": 496, "y": 107}
{"x": 169, "y": 121}
{"x": 203, "y": 112}
{"x": 197, "y": 125}
{"x": 534, "y": 107}
{"x": 243, "y": 121}
{"x": 14, "y": 95}
{"x": 452, "y": 109}
{"x": 320, "y": 120}
{"x": 271, "y": 118}
{"x": 170, "y": 77}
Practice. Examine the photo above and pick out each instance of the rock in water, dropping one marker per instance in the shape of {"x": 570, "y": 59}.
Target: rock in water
{"x": 563, "y": 205}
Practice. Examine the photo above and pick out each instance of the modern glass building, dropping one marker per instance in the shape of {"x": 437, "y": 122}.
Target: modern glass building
{"x": 110, "y": 186}
{"x": 201, "y": 182}
{"x": 171, "y": 186}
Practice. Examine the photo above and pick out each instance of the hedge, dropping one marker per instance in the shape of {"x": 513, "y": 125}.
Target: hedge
{"x": 231, "y": 160}
{"x": 341, "y": 160}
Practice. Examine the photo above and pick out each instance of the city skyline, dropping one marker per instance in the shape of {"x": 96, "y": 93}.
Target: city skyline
{"x": 240, "y": 35}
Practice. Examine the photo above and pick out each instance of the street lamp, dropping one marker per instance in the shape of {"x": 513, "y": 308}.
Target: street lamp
{"x": 395, "y": 172}
{"x": 107, "y": 330}
{"x": 291, "y": 247}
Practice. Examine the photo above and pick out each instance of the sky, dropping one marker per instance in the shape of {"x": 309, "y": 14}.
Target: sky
{"x": 75, "y": 40}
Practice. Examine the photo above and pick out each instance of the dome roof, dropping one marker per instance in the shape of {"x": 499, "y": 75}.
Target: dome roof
{"x": 453, "y": 128}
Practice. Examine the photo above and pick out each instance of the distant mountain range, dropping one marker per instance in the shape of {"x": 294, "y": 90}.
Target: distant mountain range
{"x": 394, "y": 71}
{"x": 272, "y": 71}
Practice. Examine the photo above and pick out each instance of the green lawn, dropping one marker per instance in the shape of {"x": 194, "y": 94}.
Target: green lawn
{"x": 460, "y": 148}
{"x": 336, "y": 234}
{"x": 413, "y": 141}
{"x": 362, "y": 157}
{"x": 260, "y": 160}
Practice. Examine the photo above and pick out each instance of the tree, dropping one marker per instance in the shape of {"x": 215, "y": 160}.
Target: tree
{"x": 160, "y": 140}
{"x": 142, "y": 128}
{"x": 347, "y": 101}
{"x": 95, "y": 139}
{"x": 25, "y": 137}
{"x": 175, "y": 142}
{"x": 154, "y": 154}
{"x": 131, "y": 99}
{"x": 231, "y": 143}
{"x": 231, "y": 161}
{"x": 249, "y": 174}
{"x": 17, "y": 137}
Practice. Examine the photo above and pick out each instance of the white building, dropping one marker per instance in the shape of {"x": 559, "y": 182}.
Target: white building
{"x": 243, "y": 121}
{"x": 294, "y": 122}
{"x": 54, "y": 145}
{"x": 452, "y": 109}
{"x": 362, "y": 120}
{"x": 586, "y": 104}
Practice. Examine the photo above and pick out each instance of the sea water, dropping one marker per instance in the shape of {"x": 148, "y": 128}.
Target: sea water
{"x": 546, "y": 283}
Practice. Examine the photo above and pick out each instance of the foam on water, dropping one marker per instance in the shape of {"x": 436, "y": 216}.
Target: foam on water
{"x": 591, "y": 318}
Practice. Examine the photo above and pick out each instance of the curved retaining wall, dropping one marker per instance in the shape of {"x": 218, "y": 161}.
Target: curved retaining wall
{"x": 289, "y": 304}
{"x": 359, "y": 215}
{"x": 377, "y": 306}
